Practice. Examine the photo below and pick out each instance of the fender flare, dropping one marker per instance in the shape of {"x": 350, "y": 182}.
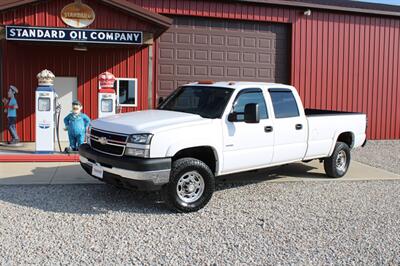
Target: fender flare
{"x": 174, "y": 148}
{"x": 335, "y": 139}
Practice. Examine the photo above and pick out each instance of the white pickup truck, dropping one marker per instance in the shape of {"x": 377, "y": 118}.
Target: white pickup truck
{"x": 205, "y": 130}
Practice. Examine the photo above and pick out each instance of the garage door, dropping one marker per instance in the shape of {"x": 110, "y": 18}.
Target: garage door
{"x": 199, "y": 48}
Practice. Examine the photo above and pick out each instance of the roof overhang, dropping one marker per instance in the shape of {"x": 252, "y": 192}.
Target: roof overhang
{"x": 370, "y": 8}
{"x": 128, "y": 7}
{"x": 141, "y": 12}
{"x": 6, "y": 4}
{"x": 352, "y": 6}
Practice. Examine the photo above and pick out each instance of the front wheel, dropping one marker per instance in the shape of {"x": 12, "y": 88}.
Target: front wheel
{"x": 190, "y": 187}
{"x": 338, "y": 163}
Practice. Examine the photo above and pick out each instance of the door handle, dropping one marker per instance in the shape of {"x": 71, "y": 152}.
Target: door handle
{"x": 299, "y": 126}
{"x": 268, "y": 129}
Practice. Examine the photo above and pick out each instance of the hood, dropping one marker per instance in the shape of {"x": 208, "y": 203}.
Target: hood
{"x": 149, "y": 121}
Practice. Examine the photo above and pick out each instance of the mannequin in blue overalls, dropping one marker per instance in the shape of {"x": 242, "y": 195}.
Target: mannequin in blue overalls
{"x": 76, "y": 124}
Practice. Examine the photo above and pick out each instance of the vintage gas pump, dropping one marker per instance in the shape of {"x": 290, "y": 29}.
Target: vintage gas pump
{"x": 107, "y": 97}
{"x": 45, "y": 109}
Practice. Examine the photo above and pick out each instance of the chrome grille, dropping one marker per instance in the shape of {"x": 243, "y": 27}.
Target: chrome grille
{"x": 110, "y": 136}
{"x": 108, "y": 142}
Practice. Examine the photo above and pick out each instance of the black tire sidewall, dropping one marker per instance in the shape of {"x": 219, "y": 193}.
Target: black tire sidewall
{"x": 331, "y": 168}
{"x": 181, "y": 167}
{"x": 343, "y": 147}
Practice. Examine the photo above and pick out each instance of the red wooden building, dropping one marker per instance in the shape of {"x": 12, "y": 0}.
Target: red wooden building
{"x": 340, "y": 54}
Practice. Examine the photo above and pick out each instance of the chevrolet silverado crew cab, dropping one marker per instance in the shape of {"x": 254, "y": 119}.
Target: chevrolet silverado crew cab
{"x": 205, "y": 130}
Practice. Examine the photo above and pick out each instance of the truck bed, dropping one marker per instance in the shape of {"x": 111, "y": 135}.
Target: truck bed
{"x": 324, "y": 126}
{"x": 319, "y": 112}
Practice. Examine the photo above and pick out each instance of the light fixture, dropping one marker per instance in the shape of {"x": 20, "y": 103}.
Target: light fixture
{"x": 80, "y": 47}
{"x": 307, "y": 12}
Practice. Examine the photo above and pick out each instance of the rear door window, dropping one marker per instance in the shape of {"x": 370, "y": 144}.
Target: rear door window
{"x": 284, "y": 103}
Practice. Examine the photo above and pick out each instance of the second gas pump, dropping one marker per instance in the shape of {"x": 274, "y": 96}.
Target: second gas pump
{"x": 107, "y": 96}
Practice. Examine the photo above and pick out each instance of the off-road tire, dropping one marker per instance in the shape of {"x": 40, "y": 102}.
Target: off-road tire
{"x": 179, "y": 168}
{"x": 330, "y": 163}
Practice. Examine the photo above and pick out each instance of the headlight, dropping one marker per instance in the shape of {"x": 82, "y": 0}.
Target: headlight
{"x": 145, "y": 153}
{"x": 144, "y": 139}
{"x": 142, "y": 147}
{"x": 88, "y": 130}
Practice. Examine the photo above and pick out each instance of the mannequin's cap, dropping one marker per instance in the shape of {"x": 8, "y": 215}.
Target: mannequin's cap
{"x": 13, "y": 89}
{"x": 76, "y": 102}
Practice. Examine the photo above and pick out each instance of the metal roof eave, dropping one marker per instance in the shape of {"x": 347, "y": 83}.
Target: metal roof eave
{"x": 323, "y": 6}
{"x": 129, "y": 7}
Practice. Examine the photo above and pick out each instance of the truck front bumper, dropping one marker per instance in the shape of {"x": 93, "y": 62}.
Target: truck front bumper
{"x": 129, "y": 172}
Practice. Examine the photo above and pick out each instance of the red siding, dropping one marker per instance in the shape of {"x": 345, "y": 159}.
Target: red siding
{"x": 23, "y": 60}
{"x": 47, "y": 13}
{"x": 63, "y": 61}
{"x": 340, "y": 61}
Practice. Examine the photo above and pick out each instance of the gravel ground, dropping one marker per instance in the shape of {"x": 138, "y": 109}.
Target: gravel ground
{"x": 380, "y": 153}
{"x": 335, "y": 222}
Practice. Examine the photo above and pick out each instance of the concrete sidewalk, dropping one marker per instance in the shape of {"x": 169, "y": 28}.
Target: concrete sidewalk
{"x": 29, "y": 147}
{"x": 43, "y": 173}
{"x": 71, "y": 173}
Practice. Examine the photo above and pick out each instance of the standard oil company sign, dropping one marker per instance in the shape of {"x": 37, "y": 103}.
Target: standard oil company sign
{"x": 23, "y": 33}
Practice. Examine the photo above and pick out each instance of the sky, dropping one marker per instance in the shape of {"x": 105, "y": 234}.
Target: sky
{"x": 390, "y": 2}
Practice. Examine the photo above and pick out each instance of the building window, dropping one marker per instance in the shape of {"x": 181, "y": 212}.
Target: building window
{"x": 126, "y": 91}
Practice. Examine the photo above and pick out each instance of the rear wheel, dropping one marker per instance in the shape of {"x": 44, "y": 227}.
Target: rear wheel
{"x": 191, "y": 185}
{"x": 338, "y": 163}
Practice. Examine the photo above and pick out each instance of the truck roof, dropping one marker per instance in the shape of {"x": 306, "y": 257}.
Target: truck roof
{"x": 237, "y": 84}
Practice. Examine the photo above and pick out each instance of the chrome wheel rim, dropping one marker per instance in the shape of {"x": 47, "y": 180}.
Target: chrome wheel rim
{"x": 190, "y": 187}
{"x": 341, "y": 161}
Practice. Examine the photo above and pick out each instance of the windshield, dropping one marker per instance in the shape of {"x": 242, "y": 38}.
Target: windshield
{"x": 208, "y": 102}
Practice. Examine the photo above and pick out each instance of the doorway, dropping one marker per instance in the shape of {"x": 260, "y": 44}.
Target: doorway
{"x": 66, "y": 88}
{"x": 197, "y": 48}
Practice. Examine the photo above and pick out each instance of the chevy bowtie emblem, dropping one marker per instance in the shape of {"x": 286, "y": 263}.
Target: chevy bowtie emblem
{"x": 103, "y": 140}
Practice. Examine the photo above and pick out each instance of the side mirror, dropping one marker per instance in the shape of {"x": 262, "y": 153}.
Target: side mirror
{"x": 160, "y": 100}
{"x": 232, "y": 117}
{"x": 251, "y": 113}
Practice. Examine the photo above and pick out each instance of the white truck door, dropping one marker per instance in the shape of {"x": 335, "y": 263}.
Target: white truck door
{"x": 248, "y": 146}
{"x": 290, "y": 126}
